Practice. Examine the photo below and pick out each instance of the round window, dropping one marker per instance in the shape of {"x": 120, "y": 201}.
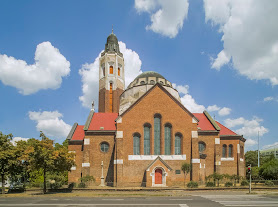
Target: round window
{"x": 104, "y": 146}
{"x": 202, "y": 147}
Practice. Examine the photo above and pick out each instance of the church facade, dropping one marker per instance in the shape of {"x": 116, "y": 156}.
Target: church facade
{"x": 143, "y": 134}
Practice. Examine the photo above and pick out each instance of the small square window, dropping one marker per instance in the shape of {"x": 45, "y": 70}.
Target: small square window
{"x": 178, "y": 172}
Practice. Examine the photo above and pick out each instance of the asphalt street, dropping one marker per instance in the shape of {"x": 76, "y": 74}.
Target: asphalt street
{"x": 185, "y": 201}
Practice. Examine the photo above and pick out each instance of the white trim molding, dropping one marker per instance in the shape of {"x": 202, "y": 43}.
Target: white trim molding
{"x": 119, "y": 134}
{"x": 73, "y": 168}
{"x": 153, "y": 157}
{"x": 227, "y": 159}
{"x": 238, "y": 148}
{"x": 194, "y": 134}
{"x": 87, "y": 141}
{"x": 218, "y": 163}
{"x": 241, "y": 159}
{"x": 217, "y": 140}
{"x": 117, "y": 162}
{"x": 194, "y": 120}
{"x": 195, "y": 160}
{"x": 119, "y": 120}
{"x": 86, "y": 164}
{"x": 164, "y": 175}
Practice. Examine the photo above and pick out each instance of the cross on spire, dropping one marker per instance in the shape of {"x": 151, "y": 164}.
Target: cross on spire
{"x": 112, "y": 28}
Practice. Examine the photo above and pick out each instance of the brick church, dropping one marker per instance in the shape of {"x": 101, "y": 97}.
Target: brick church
{"x": 142, "y": 133}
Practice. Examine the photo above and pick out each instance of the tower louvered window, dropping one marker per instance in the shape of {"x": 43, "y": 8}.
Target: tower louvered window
{"x": 119, "y": 71}
{"x": 147, "y": 139}
{"x": 177, "y": 144}
{"x": 111, "y": 98}
{"x": 111, "y": 69}
{"x": 157, "y": 123}
{"x": 167, "y": 139}
{"x": 136, "y": 144}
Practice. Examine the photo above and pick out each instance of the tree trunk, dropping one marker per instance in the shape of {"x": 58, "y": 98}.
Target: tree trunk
{"x": 184, "y": 181}
{"x": 44, "y": 181}
{"x": 3, "y": 183}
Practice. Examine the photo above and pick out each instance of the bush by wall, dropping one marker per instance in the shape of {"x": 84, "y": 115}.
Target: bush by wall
{"x": 210, "y": 184}
{"x": 192, "y": 184}
{"x": 269, "y": 183}
{"x": 244, "y": 183}
{"x": 228, "y": 184}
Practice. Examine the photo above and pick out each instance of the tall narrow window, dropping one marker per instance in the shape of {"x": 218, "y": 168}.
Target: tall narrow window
{"x": 177, "y": 144}
{"x": 157, "y": 123}
{"x": 241, "y": 152}
{"x": 119, "y": 71}
{"x": 103, "y": 70}
{"x": 230, "y": 150}
{"x": 136, "y": 144}
{"x": 111, "y": 69}
{"x": 111, "y": 98}
{"x": 167, "y": 139}
{"x": 224, "y": 150}
{"x": 147, "y": 129}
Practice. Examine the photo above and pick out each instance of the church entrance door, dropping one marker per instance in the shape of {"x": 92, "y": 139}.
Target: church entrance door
{"x": 158, "y": 176}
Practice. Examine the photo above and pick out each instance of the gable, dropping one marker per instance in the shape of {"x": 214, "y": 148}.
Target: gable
{"x": 158, "y": 162}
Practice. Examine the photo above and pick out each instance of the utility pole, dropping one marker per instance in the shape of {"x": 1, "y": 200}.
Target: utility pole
{"x": 258, "y": 148}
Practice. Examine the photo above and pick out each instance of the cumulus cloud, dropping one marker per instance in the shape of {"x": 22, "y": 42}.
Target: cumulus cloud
{"x": 224, "y": 111}
{"x": 250, "y": 142}
{"x": 250, "y": 36}
{"x": 46, "y": 73}
{"x": 248, "y": 128}
{"x": 50, "y": 123}
{"x": 274, "y": 145}
{"x": 166, "y": 16}
{"x": 187, "y": 100}
{"x": 269, "y": 98}
{"x": 90, "y": 75}
{"x": 17, "y": 139}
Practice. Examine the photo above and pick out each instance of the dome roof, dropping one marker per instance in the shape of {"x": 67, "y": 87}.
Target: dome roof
{"x": 112, "y": 45}
{"x": 149, "y": 74}
{"x": 112, "y": 39}
{"x": 149, "y": 78}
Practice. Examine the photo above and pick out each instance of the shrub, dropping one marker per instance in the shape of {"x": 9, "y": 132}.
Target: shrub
{"x": 72, "y": 185}
{"x": 244, "y": 183}
{"x": 228, "y": 184}
{"x": 81, "y": 185}
{"x": 192, "y": 184}
{"x": 269, "y": 183}
{"x": 210, "y": 184}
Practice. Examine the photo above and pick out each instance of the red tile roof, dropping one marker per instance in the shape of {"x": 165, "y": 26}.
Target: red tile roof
{"x": 78, "y": 133}
{"x": 224, "y": 130}
{"x": 105, "y": 120}
{"x": 203, "y": 123}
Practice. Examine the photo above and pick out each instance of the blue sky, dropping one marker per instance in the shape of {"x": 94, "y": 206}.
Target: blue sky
{"x": 221, "y": 55}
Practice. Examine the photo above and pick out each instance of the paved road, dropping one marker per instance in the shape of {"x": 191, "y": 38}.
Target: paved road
{"x": 186, "y": 201}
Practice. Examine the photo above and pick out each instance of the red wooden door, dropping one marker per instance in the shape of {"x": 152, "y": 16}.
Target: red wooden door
{"x": 158, "y": 176}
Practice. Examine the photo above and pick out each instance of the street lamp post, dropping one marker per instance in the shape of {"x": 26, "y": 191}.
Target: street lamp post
{"x": 258, "y": 148}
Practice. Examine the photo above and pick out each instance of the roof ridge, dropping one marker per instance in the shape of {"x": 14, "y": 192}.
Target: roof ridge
{"x": 212, "y": 121}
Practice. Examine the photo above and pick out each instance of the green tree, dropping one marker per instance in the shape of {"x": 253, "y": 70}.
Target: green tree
{"x": 269, "y": 170}
{"x": 251, "y": 157}
{"x": 7, "y": 157}
{"x": 186, "y": 168}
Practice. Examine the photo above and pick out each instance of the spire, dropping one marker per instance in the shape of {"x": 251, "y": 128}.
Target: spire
{"x": 112, "y": 29}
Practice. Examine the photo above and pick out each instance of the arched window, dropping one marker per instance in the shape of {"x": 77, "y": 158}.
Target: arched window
{"x": 111, "y": 69}
{"x": 152, "y": 82}
{"x": 157, "y": 123}
{"x": 167, "y": 139}
{"x": 111, "y": 97}
{"x": 119, "y": 71}
{"x": 147, "y": 131}
{"x": 142, "y": 82}
{"x": 136, "y": 144}
{"x": 224, "y": 150}
{"x": 230, "y": 150}
{"x": 202, "y": 147}
{"x": 178, "y": 144}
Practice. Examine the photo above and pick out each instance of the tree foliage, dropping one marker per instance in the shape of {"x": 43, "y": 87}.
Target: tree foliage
{"x": 186, "y": 168}
{"x": 269, "y": 170}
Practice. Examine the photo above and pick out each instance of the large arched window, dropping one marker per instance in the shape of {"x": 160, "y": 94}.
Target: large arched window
{"x": 119, "y": 72}
{"x": 230, "y": 150}
{"x": 178, "y": 144}
{"x": 157, "y": 124}
{"x": 224, "y": 150}
{"x": 147, "y": 135}
{"x": 167, "y": 139}
{"x": 136, "y": 144}
{"x": 111, "y": 69}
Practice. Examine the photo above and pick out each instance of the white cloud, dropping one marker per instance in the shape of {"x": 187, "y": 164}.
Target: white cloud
{"x": 250, "y": 142}
{"x": 224, "y": 111}
{"x": 270, "y": 98}
{"x": 50, "y": 123}
{"x": 187, "y": 100}
{"x": 46, "y": 73}
{"x": 274, "y": 145}
{"x": 250, "y": 36}
{"x": 90, "y": 75}
{"x": 17, "y": 139}
{"x": 213, "y": 108}
{"x": 166, "y": 16}
{"x": 249, "y": 128}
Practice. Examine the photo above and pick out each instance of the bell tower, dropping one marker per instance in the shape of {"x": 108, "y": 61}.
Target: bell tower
{"x": 111, "y": 76}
